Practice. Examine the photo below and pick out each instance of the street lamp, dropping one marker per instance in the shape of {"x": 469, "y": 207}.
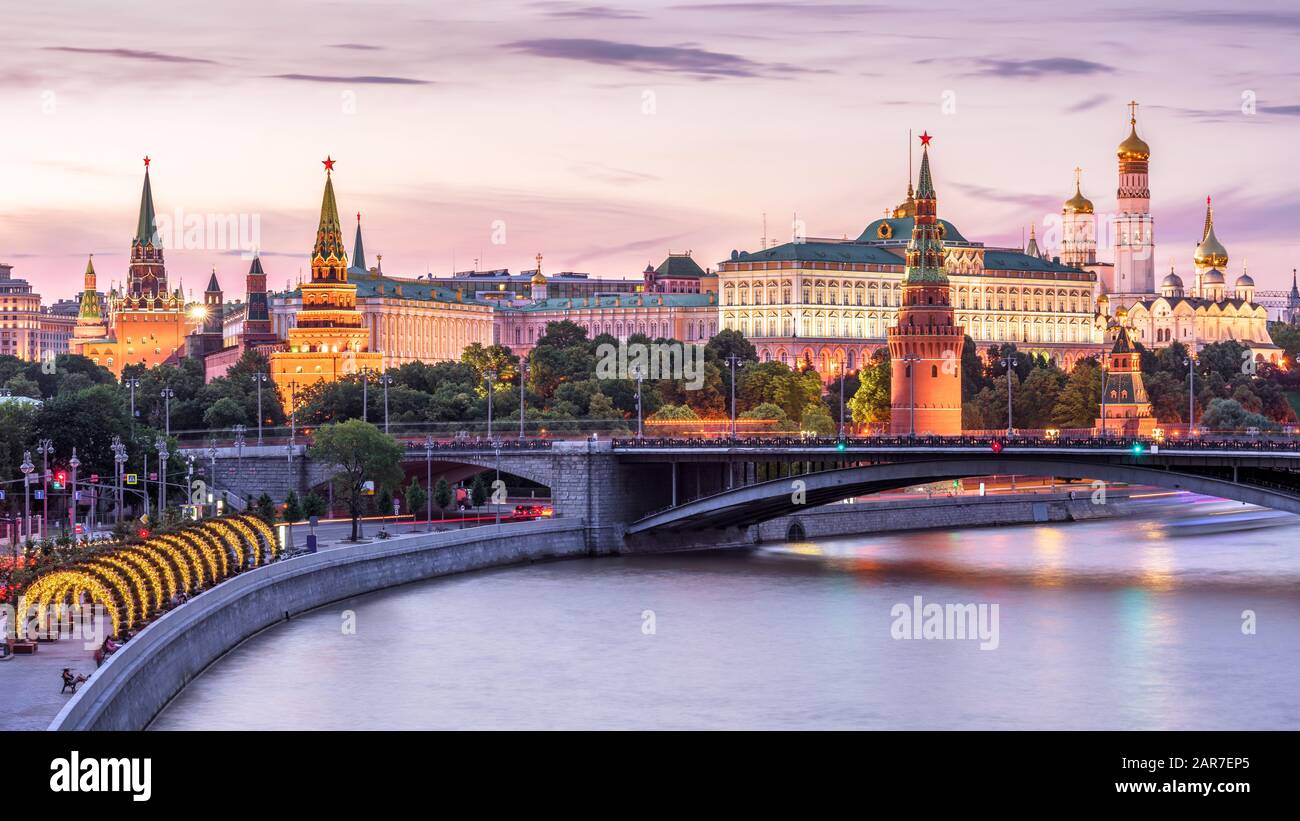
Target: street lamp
{"x": 365, "y": 396}
{"x": 73, "y": 463}
{"x": 132, "y": 384}
{"x": 293, "y": 418}
{"x": 1103, "y": 397}
{"x": 841, "y": 367}
{"x": 26, "y": 467}
{"x": 1191, "y": 394}
{"x": 167, "y": 394}
{"x": 1008, "y": 362}
{"x": 45, "y": 447}
{"x": 523, "y": 379}
{"x": 386, "y": 380}
{"x": 239, "y": 448}
{"x": 212, "y": 467}
{"x": 491, "y": 378}
{"x": 734, "y": 362}
{"x": 259, "y": 378}
{"x": 161, "y": 445}
{"x": 428, "y": 478}
{"x": 911, "y": 359}
{"x": 639, "y": 375}
{"x": 119, "y": 460}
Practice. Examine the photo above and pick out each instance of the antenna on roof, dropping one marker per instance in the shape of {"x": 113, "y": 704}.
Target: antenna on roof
{"x": 909, "y": 158}
{"x": 763, "y": 242}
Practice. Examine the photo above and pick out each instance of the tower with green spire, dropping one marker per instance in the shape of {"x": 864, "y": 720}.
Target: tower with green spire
{"x": 358, "y": 252}
{"x": 90, "y": 317}
{"x": 925, "y": 346}
{"x": 328, "y": 341}
{"x": 147, "y": 273}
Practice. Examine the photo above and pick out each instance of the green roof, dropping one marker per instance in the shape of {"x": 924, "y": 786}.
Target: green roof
{"x": 680, "y": 266}
{"x": 900, "y": 230}
{"x": 146, "y": 230}
{"x": 821, "y": 252}
{"x": 1018, "y": 261}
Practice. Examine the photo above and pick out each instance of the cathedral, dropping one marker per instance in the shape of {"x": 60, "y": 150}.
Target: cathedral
{"x": 1206, "y": 312}
{"x": 146, "y": 324}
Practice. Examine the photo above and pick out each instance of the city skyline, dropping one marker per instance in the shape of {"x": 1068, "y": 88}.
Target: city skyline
{"x": 537, "y": 115}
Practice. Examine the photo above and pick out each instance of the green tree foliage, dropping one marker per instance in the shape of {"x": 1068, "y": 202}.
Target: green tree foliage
{"x": 478, "y": 490}
{"x": 816, "y": 419}
{"x": 672, "y": 412}
{"x": 774, "y": 412}
{"x": 1079, "y": 403}
{"x": 1229, "y": 415}
{"x": 870, "y": 405}
{"x": 293, "y": 509}
{"x": 314, "y": 505}
{"x": 416, "y": 497}
{"x": 265, "y": 509}
{"x": 359, "y": 452}
{"x": 442, "y": 496}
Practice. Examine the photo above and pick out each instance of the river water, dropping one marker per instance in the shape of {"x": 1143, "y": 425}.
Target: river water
{"x": 1123, "y": 624}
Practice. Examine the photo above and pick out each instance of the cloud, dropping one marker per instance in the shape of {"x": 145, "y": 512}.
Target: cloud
{"x": 685, "y": 60}
{"x": 363, "y": 79}
{"x": 1041, "y": 67}
{"x": 357, "y": 46}
{"x": 804, "y": 9}
{"x": 1284, "y": 110}
{"x": 573, "y": 11}
{"x": 609, "y": 174}
{"x": 1088, "y": 103}
{"x": 131, "y": 54}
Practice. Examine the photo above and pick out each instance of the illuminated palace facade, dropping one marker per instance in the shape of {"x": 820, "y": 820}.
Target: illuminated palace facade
{"x": 146, "y": 323}
{"x": 826, "y": 303}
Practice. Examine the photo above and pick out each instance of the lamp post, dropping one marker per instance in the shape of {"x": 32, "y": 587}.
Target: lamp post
{"x": 26, "y": 467}
{"x": 161, "y": 445}
{"x": 523, "y": 380}
{"x": 258, "y": 379}
{"x": 491, "y": 378}
{"x": 119, "y": 460}
{"x": 132, "y": 384}
{"x": 365, "y": 395}
{"x": 386, "y": 380}
{"x": 911, "y": 359}
{"x": 639, "y": 375}
{"x": 1103, "y": 397}
{"x": 428, "y": 478}
{"x": 1191, "y": 394}
{"x": 189, "y": 483}
{"x": 167, "y": 394}
{"x": 45, "y": 447}
{"x": 73, "y": 463}
{"x": 212, "y": 468}
{"x": 293, "y": 418}
{"x": 1008, "y": 362}
{"x": 841, "y": 366}
{"x": 239, "y": 448}
{"x": 733, "y": 362}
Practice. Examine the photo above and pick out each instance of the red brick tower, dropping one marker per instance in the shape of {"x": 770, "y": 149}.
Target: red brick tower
{"x": 925, "y": 346}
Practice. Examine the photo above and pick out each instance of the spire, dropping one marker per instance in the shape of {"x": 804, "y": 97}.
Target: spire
{"x": 329, "y": 234}
{"x": 89, "y": 310}
{"x": 1032, "y": 248}
{"x": 1209, "y": 218}
{"x": 146, "y": 231}
{"x": 213, "y": 286}
{"x": 924, "y": 256}
{"x": 358, "y": 250}
{"x": 1210, "y": 252}
{"x": 925, "y": 186}
{"x": 256, "y": 267}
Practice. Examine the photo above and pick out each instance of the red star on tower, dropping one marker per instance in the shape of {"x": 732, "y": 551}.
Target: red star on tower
{"x": 926, "y": 137}
{"x": 328, "y": 162}
{"x": 146, "y": 161}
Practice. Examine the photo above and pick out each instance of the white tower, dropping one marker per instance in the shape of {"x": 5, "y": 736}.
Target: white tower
{"x": 1135, "y": 268}
{"x": 1078, "y": 228}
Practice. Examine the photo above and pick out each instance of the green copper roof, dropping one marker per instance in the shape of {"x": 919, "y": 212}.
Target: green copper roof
{"x": 925, "y": 186}
{"x": 329, "y": 234}
{"x": 1018, "y": 261}
{"x": 89, "y": 309}
{"x": 621, "y": 301}
{"x": 821, "y": 252}
{"x": 146, "y": 230}
{"x": 900, "y": 229}
{"x": 358, "y": 250}
{"x": 679, "y": 266}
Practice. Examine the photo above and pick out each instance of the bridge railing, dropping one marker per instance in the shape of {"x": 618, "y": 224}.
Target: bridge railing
{"x": 1138, "y": 445}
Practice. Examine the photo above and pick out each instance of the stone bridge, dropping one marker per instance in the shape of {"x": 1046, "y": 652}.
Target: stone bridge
{"x": 663, "y": 493}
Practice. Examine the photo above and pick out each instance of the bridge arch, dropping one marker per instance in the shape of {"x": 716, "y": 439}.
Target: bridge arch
{"x": 752, "y": 504}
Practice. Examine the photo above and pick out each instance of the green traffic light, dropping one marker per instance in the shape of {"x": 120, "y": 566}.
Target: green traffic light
{"x": 1137, "y": 448}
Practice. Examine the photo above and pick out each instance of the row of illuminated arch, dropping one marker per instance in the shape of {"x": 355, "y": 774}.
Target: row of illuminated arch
{"x": 886, "y": 294}
{"x": 135, "y": 582}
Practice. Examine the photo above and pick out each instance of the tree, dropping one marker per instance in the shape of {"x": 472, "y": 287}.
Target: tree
{"x": 265, "y": 509}
{"x": 1035, "y": 398}
{"x": 478, "y": 490}
{"x": 669, "y": 412}
{"x": 817, "y": 420}
{"x": 442, "y": 496}
{"x": 1079, "y": 403}
{"x": 293, "y": 511}
{"x": 871, "y": 404}
{"x": 416, "y": 498}
{"x": 1229, "y": 415}
{"x": 360, "y": 452}
{"x": 314, "y": 505}
{"x": 773, "y": 412}
{"x": 226, "y": 412}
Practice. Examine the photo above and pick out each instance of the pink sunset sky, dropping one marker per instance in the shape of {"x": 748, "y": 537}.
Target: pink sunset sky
{"x": 605, "y": 136}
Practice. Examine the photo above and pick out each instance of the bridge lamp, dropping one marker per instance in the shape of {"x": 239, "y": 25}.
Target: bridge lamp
{"x": 1137, "y": 448}
{"x": 840, "y": 446}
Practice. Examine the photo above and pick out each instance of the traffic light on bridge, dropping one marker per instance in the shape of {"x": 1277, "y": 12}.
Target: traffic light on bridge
{"x": 60, "y": 479}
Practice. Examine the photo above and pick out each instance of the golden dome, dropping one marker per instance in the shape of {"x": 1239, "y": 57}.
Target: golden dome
{"x": 1133, "y": 147}
{"x": 538, "y": 279}
{"x": 1078, "y": 204}
{"x": 1210, "y": 252}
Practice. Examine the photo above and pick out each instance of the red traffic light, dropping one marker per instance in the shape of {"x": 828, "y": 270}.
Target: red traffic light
{"x": 143, "y": 533}
{"x": 61, "y": 476}
{"x": 996, "y": 447}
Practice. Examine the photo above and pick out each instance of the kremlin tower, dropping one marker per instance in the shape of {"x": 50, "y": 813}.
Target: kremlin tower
{"x": 147, "y": 325}
{"x": 257, "y": 316}
{"x": 1078, "y": 228}
{"x": 328, "y": 341}
{"x": 1135, "y": 269}
{"x": 90, "y": 318}
{"x": 925, "y": 346}
{"x": 1210, "y": 260}
{"x": 1126, "y": 410}
{"x": 209, "y": 338}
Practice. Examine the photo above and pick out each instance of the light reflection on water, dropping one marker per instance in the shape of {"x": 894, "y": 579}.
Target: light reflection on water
{"x": 1108, "y": 624}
